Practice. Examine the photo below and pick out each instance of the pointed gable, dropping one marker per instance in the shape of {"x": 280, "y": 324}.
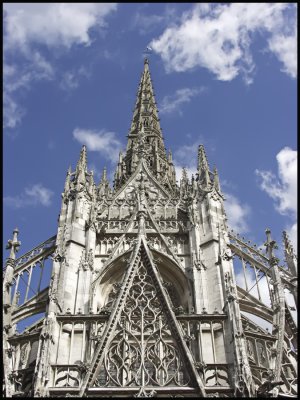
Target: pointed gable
{"x": 142, "y": 345}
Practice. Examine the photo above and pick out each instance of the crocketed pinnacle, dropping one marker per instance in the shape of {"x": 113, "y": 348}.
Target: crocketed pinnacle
{"x": 203, "y": 168}
{"x": 81, "y": 167}
{"x": 202, "y": 159}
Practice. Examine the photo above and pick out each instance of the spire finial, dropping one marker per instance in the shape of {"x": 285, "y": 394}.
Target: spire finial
{"x": 146, "y": 53}
{"x": 13, "y": 244}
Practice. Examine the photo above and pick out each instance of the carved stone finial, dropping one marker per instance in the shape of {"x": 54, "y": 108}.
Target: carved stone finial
{"x": 270, "y": 246}
{"x": 13, "y": 244}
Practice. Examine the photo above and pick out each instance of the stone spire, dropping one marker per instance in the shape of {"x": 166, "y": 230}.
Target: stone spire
{"x": 81, "y": 168}
{"x": 203, "y": 168}
{"x": 145, "y": 139}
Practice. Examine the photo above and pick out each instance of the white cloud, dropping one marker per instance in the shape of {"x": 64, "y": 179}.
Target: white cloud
{"x": 283, "y": 188}
{"x": 146, "y": 22}
{"x": 71, "y": 79}
{"x": 186, "y": 156}
{"x": 56, "y": 25}
{"x": 218, "y": 37}
{"x": 17, "y": 78}
{"x": 172, "y": 103}
{"x": 102, "y": 141}
{"x": 292, "y": 231}
{"x": 33, "y": 195}
{"x": 285, "y": 48}
{"x": 53, "y": 24}
{"x": 12, "y": 111}
{"x": 237, "y": 213}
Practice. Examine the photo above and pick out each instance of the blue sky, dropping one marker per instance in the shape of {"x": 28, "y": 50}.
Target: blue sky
{"x": 224, "y": 75}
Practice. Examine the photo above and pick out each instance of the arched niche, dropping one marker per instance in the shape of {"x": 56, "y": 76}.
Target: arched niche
{"x": 174, "y": 281}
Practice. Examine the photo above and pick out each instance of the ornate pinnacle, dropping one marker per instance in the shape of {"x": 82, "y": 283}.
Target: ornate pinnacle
{"x": 104, "y": 176}
{"x": 120, "y": 157}
{"x": 290, "y": 256}
{"x": 288, "y": 248}
{"x": 216, "y": 180}
{"x": 202, "y": 159}
{"x": 81, "y": 168}
{"x": 184, "y": 181}
{"x": 104, "y": 183}
{"x": 270, "y": 246}
{"x": 67, "y": 182}
{"x": 203, "y": 168}
{"x": 184, "y": 176}
{"x": 13, "y": 244}
{"x": 82, "y": 163}
{"x": 91, "y": 182}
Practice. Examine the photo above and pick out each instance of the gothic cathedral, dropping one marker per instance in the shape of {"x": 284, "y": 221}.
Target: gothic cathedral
{"x": 143, "y": 300}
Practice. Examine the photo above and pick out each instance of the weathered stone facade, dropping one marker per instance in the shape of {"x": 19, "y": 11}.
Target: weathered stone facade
{"x": 142, "y": 299}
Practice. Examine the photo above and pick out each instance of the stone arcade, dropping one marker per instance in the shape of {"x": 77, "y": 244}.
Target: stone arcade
{"x": 142, "y": 299}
